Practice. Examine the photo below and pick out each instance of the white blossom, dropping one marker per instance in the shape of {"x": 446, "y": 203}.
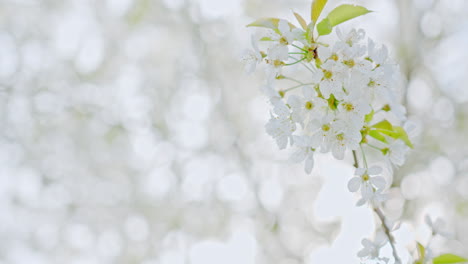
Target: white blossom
{"x": 438, "y": 226}
{"x": 308, "y": 106}
{"x": 332, "y": 79}
{"x": 280, "y": 126}
{"x": 345, "y": 137}
{"x": 353, "y": 108}
{"x": 396, "y": 152}
{"x": 252, "y": 57}
{"x": 367, "y": 183}
{"x": 305, "y": 152}
{"x": 371, "y": 248}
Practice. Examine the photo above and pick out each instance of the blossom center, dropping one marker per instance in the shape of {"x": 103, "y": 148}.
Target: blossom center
{"x": 277, "y": 63}
{"x": 340, "y": 137}
{"x": 334, "y": 57}
{"x": 283, "y": 41}
{"x": 365, "y": 177}
{"x": 326, "y": 127}
{"x": 327, "y": 74}
{"x": 309, "y": 105}
{"x": 349, "y": 63}
{"x": 348, "y": 107}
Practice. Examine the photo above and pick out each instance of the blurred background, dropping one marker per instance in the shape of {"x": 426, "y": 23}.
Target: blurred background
{"x": 130, "y": 134}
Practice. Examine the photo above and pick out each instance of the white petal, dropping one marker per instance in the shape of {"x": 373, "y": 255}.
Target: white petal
{"x": 283, "y": 26}
{"x": 309, "y": 164}
{"x": 360, "y": 171}
{"x": 374, "y": 170}
{"x": 428, "y": 221}
{"x": 282, "y": 142}
{"x": 378, "y": 181}
{"x": 301, "y": 141}
{"x": 366, "y": 191}
{"x": 361, "y": 202}
{"x": 338, "y": 151}
{"x": 294, "y": 101}
{"x": 298, "y": 156}
{"x": 354, "y": 184}
{"x": 323, "y": 52}
{"x": 308, "y": 92}
{"x": 363, "y": 253}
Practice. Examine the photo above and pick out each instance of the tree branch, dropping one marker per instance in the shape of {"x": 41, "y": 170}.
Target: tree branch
{"x": 381, "y": 216}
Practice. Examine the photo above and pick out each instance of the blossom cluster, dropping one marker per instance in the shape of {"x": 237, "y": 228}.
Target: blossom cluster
{"x": 345, "y": 104}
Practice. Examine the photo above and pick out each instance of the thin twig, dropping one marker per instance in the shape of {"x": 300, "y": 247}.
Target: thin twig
{"x": 356, "y": 164}
{"x": 382, "y": 219}
{"x": 389, "y": 235}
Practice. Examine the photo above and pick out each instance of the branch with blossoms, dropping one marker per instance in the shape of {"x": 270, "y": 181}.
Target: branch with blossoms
{"x": 348, "y": 103}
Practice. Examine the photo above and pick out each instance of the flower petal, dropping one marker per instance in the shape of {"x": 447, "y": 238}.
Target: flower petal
{"x": 354, "y": 184}
{"x": 361, "y": 202}
{"x": 366, "y": 191}
{"x": 374, "y": 170}
{"x": 309, "y": 163}
{"x": 298, "y": 156}
{"x": 308, "y": 92}
{"x": 379, "y": 182}
{"x": 360, "y": 171}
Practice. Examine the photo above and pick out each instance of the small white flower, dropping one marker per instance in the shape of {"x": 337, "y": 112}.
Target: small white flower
{"x": 305, "y": 151}
{"x": 378, "y": 56}
{"x": 352, "y": 38}
{"x": 280, "y": 126}
{"x": 438, "y": 226}
{"x": 396, "y": 152}
{"x": 286, "y": 36}
{"x": 252, "y": 57}
{"x": 269, "y": 90}
{"x": 344, "y": 137}
{"x": 307, "y": 107}
{"x": 375, "y": 198}
{"x": 322, "y": 133}
{"x": 397, "y": 109}
{"x": 378, "y": 87}
{"x": 353, "y": 108}
{"x": 333, "y": 75}
{"x": 371, "y": 248}
{"x": 327, "y": 53}
{"x": 366, "y": 183}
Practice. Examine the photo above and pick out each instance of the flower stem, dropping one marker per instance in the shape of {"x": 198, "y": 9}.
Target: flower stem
{"x": 295, "y": 62}
{"x": 294, "y": 80}
{"x": 363, "y": 156}
{"x": 297, "y": 47}
{"x": 356, "y": 164}
{"x": 297, "y": 86}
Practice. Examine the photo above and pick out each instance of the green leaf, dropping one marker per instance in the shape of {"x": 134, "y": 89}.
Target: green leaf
{"x": 376, "y": 134}
{"x": 403, "y": 136}
{"x": 316, "y": 9}
{"x": 269, "y": 22}
{"x": 346, "y": 12}
{"x": 448, "y": 258}
{"x": 421, "y": 251}
{"x": 384, "y": 124}
{"x": 369, "y": 116}
{"x": 339, "y": 15}
{"x": 301, "y": 21}
{"x": 324, "y": 27}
